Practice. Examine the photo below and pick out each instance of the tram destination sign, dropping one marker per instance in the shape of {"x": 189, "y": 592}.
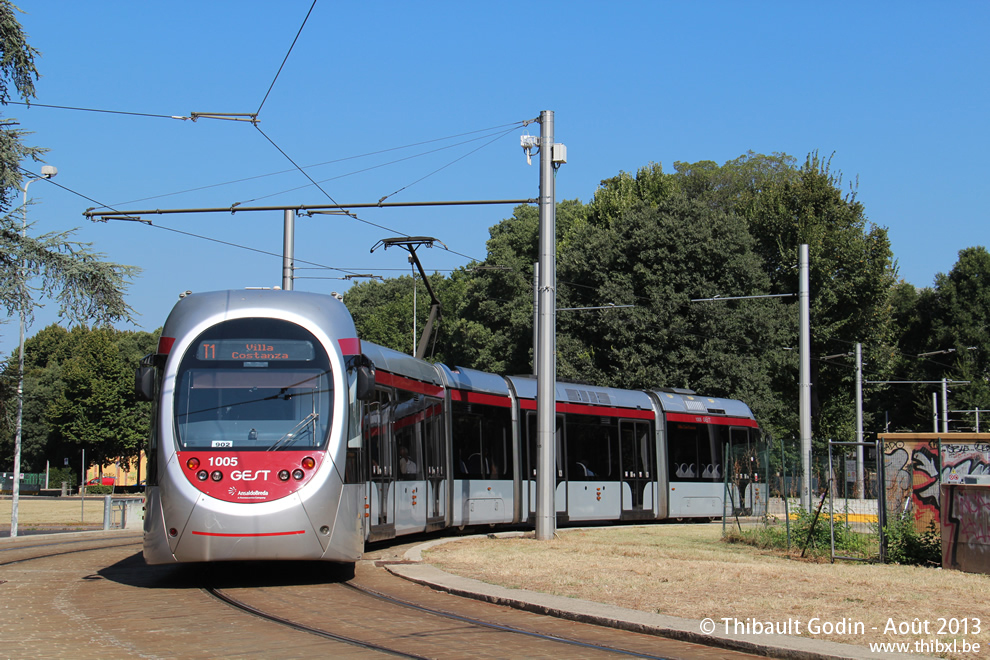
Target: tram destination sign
{"x": 252, "y": 350}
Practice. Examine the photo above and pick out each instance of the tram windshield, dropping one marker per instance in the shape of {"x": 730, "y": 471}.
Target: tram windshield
{"x": 254, "y": 384}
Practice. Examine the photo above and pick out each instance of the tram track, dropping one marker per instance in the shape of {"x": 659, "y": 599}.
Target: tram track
{"x": 58, "y": 543}
{"x": 421, "y": 622}
{"x": 310, "y": 607}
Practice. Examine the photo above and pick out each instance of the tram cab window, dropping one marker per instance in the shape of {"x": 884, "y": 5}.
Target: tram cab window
{"x": 254, "y": 384}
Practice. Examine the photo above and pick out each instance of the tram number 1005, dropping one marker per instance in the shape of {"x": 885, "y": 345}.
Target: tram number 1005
{"x": 223, "y": 461}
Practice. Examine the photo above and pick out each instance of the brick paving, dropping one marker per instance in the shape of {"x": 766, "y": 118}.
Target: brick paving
{"x": 92, "y": 596}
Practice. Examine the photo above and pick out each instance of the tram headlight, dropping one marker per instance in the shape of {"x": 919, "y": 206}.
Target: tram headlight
{"x": 192, "y": 463}
{"x": 298, "y": 474}
{"x": 216, "y": 475}
{"x": 202, "y": 475}
{"x": 308, "y": 463}
{"x": 283, "y": 475}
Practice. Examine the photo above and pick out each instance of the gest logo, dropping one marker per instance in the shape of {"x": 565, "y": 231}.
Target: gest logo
{"x": 250, "y": 475}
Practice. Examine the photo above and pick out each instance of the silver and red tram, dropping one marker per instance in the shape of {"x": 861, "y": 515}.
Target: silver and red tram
{"x": 278, "y": 434}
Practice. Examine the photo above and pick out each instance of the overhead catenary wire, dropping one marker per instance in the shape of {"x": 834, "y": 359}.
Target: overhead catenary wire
{"x": 109, "y": 112}
{"x": 286, "y": 58}
{"x": 333, "y": 161}
{"x": 126, "y": 217}
{"x": 379, "y": 166}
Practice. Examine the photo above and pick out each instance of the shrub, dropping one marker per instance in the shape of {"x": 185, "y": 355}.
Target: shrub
{"x": 905, "y": 545}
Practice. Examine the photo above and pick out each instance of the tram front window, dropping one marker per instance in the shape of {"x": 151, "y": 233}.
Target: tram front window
{"x": 254, "y": 385}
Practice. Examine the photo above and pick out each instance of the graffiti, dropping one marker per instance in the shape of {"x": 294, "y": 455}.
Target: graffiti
{"x": 915, "y": 472}
{"x": 966, "y": 528}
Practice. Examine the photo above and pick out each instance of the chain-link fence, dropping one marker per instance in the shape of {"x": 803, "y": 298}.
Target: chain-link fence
{"x": 868, "y": 501}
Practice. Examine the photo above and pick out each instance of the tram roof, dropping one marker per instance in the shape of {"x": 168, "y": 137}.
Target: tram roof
{"x": 324, "y": 311}
{"x": 472, "y": 380}
{"x": 401, "y": 364}
{"x": 673, "y": 401}
{"x": 526, "y": 386}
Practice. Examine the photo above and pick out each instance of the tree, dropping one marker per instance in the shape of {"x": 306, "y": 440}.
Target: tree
{"x": 495, "y": 330}
{"x": 851, "y": 263}
{"x": 659, "y": 255}
{"x": 961, "y": 301}
{"x": 78, "y": 394}
{"x": 84, "y": 286}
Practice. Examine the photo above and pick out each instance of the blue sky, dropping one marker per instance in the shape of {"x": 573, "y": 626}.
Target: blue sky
{"x": 896, "y": 91}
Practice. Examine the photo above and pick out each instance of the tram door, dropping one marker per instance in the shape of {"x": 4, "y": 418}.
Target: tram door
{"x": 744, "y": 473}
{"x": 532, "y": 463}
{"x": 435, "y": 458}
{"x": 380, "y": 499}
{"x": 638, "y": 479}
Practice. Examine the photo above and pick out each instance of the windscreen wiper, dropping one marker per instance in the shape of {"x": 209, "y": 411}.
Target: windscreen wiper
{"x": 291, "y": 436}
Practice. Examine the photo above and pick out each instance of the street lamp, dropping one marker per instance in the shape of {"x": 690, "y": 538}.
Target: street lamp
{"x": 47, "y": 172}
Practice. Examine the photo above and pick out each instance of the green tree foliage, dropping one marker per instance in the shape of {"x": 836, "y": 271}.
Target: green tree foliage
{"x": 657, "y": 240}
{"x": 84, "y": 286}
{"x": 383, "y": 312}
{"x": 659, "y": 255}
{"x": 959, "y": 321}
{"x": 78, "y": 394}
{"x": 851, "y": 263}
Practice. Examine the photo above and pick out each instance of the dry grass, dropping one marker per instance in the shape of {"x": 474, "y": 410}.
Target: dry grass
{"x": 687, "y": 571}
{"x": 47, "y": 512}
{"x": 678, "y": 570}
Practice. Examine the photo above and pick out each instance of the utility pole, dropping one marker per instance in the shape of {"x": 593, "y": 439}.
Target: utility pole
{"x": 546, "y": 373}
{"x": 860, "y": 473}
{"x": 804, "y": 377}
{"x": 545, "y": 355}
{"x": 288, "y": 247}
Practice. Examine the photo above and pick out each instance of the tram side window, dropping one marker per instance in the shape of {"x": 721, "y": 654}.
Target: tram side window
{"x": 592, "y": 444}
{"x": 409, "y": 417}
{"x": 376, "y": 437}
{"x": 482, "y": 437}
{"x": 434, "y": 457}
{"x": 637, "y": 449}
{"x": 695, "y": 452}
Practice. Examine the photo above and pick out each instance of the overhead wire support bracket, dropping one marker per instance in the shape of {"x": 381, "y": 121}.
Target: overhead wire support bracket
{"x": 227, "y": 116}
{"x": 93, "y": 214}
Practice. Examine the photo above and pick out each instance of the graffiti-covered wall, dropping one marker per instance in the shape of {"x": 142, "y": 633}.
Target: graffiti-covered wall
{"x": 966, "y": 528}
{"x": 916, "y": 465}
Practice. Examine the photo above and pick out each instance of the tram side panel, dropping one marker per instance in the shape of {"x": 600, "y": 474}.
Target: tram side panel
{"x": 697, "y": 446}
{"x": 482, "y": 452}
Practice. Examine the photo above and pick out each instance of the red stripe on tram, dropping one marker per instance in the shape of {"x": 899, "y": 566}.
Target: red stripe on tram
{"x": 300, "y": 531}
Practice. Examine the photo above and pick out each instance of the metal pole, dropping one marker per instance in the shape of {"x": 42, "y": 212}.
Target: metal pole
{"x": 546, "y": 374}
{"x": 15, "y": 489}
{"x": 860, "y": 476}
{"x": 804, "y": 384}
{"x": 412, "y": 266}
{"x": 945, "y": 407}
{"x": 536, "y": 314}
{"x": 288, "y": 247}
{"x": 935, "y": 412}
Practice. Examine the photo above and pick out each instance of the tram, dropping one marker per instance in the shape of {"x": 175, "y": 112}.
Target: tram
{"x": 278, "y": 434}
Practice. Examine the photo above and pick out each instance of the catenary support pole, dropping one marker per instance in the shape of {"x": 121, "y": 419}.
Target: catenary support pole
{"x": 288, "y": 247}
{"x": 945, "y": 406}
{"x": 546, "y": 374}
{"x": 860, "y": 473}
{"x": 804, "y": 385}
{"x": 536, "y": 315}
